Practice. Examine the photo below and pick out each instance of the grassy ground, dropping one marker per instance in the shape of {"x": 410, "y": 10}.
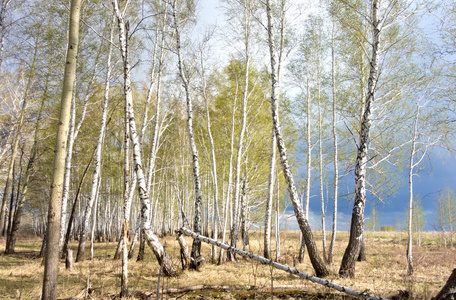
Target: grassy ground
{"x": 383, "y": 274}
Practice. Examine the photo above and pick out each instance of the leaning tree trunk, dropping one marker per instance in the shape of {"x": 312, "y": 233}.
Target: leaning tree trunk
{"x": 347, "y": 267}
{"x": 279, "y": 266}
{"x": 54, "y": 212}
{"x": 448, "y": 292}
{"x": 196, "y": 246}
{"x": 317, "y": 262}
{"x": 151, "y": 239}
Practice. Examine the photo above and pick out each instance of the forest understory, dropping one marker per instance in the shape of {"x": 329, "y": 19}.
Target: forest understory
{"x": 384, "y": 273}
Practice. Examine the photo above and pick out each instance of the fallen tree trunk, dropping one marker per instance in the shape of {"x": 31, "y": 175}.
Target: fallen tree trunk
{"x": 281, "y": 267}
{"x": 449, "y": 289}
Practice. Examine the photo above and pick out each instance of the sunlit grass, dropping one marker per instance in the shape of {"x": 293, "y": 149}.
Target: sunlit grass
{"x": 384, "y": 272}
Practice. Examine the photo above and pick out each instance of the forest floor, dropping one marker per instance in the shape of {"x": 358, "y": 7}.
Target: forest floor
{"x": 382, "y": 274}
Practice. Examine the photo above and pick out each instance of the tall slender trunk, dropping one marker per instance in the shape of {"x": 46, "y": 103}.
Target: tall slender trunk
{"x": 72, "y": 135}
{"x": 97, "y": 170}
{"x": 309, "y": 169}
{"x": 156, "y": 133}
{"x": 347, "y": 267}
{"x": 277, "y": 225}
{"x": 320, "y": 163}
{"x": 412, "y": 165}
{"x": 215, "y": 220}
{"x": 196, "y": 246}
{"x": 317, "y": 262}
{"x": 267, "y": 217}
{"x": 54, "y": 212}
{"x": 15, "y": 143}
{"x": 11, "y": 240}
{"x": 227, "y": 209}
{"x": 240, "y": 146}
{"x": 334, "y": 132}
{"x": 73, "y": 210}
{"x": 151, "y": 239}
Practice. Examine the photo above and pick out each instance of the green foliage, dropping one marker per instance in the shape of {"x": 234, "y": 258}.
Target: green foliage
{"x": 387, "y": 228}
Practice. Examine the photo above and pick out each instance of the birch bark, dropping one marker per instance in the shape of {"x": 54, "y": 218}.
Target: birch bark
{"x": 97, "y": 171}
{"x": 240, "y": 146}
{"x": 215, "y": 220}
{"x": 336, "y": 169}
{"x": 347, "y": 267}
{"x": 196, "y": 246}
{"x": 72, "y": 135}
{"x": 317, "y": 263}
{"x": 230, "y": 176}
{"x": 151, "y": 239}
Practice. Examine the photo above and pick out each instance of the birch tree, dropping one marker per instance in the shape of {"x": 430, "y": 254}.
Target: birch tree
{"x": 317, "y": 262}
{"x": 53, "y": 228}
{"x": 22, "y": 194}
{"x": 213, "y": 162}
{"x": 245, "y": 22}
{"x": 97, "y": 171}
{"x": 18, "y": 130}
{"x": 196, "y": 246}
{"x": 347, "y": 267}
{"x": 151, "y": 239}
{"x": 335, "y": 142}
{"x": 418, "y": 152}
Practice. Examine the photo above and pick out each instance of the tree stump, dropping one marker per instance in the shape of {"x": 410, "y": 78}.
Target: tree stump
{"x": 448, "y": 292}
{"x": 69, "y": 260}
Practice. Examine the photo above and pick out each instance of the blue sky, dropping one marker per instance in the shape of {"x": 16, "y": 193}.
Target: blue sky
{"x": 436, "y": 175}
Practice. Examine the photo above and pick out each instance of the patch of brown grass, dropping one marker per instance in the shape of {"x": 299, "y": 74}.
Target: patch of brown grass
{"x": 384, "y": 273}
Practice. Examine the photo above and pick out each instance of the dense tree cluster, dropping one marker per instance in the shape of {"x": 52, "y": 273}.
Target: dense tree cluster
{"x": 164, "y": 123}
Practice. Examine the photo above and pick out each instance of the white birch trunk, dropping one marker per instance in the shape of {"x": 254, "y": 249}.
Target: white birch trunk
{"x": 277, "y": 225}
{"x": 336, "y": 168}
{"x": 72, "y": 135}
{"x": 97, "y": 170}
{"x": 151, "y": 239}
{"x": 410, "y": 204}
{"x": 240, "y": 148}
{"x": 317, "y": 263}
{"x": 267, "y": 217}
{"x": 227, "y": 209}
{"x": 320, "y": 157}
{"x": 196, "y": 246}
{"x": 276, "y": 265}
{"x": 347, "y": 267}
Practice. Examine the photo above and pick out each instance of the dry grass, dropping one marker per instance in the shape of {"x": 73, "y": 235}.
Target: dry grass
{"x": 384, "y": 272}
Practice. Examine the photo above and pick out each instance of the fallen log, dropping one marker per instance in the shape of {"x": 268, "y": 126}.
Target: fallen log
{"x": 448, "y": 292}
{"x": 281, "y": 267}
